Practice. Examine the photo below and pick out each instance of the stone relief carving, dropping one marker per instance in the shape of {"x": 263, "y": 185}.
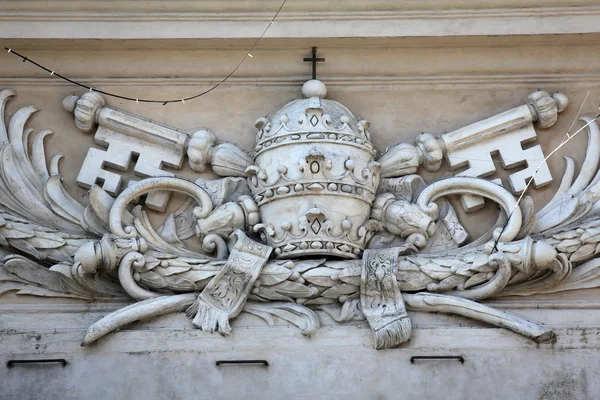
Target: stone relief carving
{"x": 124, "y": 136}
{"x": 319, "y": 224}
{"x": 473, "y": 145}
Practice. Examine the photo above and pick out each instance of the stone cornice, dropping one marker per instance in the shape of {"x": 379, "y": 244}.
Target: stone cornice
{"x": 352, "y": 82}
{"x": 50, "y": 24}
{"x": 244, "y": 6}
{"x": 470, "y": 341}
{"x": 305, "y": 16}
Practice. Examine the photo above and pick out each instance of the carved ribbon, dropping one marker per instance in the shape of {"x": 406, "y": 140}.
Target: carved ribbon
{"x": 381, "y": 300}
{"x": 225, "y": 295}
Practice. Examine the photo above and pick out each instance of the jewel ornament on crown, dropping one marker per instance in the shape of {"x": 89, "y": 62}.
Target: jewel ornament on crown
{"x": 314, "y": 178}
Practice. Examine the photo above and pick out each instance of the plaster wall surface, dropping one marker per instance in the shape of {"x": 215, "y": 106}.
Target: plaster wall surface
{"x": 169, "y": 359}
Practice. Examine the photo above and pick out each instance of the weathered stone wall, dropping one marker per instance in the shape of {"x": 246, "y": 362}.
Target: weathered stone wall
{"x": 407, "y": 68}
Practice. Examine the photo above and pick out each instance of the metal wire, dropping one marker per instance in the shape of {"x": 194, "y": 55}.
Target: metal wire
{"x": 140, "y": 100}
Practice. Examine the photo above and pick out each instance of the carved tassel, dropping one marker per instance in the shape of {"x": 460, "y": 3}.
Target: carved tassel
{"x": 381, "y": 300}
{"x": 393, "y": 334}
{"x": 226, "y": 293}
{"x": 209, "y": 318}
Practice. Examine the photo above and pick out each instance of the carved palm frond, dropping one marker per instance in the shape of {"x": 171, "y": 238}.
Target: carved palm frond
{"x": 37, "y": 215}
{"x": 41, "y": 220}
{"x": 570, "y": 221}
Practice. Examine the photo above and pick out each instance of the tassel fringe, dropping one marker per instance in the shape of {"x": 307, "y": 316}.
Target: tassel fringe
{"x": 208, "y": 318}
{"x": 393, "y": 334}
{"x": 193, "y": 309}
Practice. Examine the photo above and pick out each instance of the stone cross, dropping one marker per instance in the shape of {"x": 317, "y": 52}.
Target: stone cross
{"x": 314, "y": 61}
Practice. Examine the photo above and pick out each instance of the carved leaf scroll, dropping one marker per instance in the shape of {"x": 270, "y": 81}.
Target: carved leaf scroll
{"x": 41, "y": 220}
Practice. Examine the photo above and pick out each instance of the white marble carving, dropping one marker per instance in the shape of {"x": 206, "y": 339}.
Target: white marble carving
{"x": 125, "y": 137}
{"x": 473, "y": 146}
{"x": 320, "y": 198}
{"x": 314, "y": 178}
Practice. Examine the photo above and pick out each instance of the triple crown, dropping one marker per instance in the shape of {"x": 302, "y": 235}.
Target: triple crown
{"x": 314, "y": 178}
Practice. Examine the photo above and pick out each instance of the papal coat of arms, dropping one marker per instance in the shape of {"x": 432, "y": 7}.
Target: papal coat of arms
{"x": 313, "y": 219}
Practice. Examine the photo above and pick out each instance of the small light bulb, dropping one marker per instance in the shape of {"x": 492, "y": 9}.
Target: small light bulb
{"x": 183, "y": 101}
{"x": 250, "y": 55}
{"x": 136, "y": 101}
{"x": 9, "y": 50}
{"x": 51, "y": 73}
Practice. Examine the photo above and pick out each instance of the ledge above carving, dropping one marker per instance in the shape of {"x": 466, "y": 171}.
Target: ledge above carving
{"x": 302, "y": 20}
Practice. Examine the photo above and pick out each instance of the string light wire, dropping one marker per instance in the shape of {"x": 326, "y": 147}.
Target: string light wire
{"x": 567, "y": 139}
{"x": 577, "y": 116}
{"x": 141, "y": 100}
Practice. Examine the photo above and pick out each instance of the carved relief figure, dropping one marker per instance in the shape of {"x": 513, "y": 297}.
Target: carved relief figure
{"x": 314, "y": 220}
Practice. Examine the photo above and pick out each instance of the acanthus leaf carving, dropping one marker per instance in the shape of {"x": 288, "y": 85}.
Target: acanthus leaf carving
{"x": 313, "y": 163}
